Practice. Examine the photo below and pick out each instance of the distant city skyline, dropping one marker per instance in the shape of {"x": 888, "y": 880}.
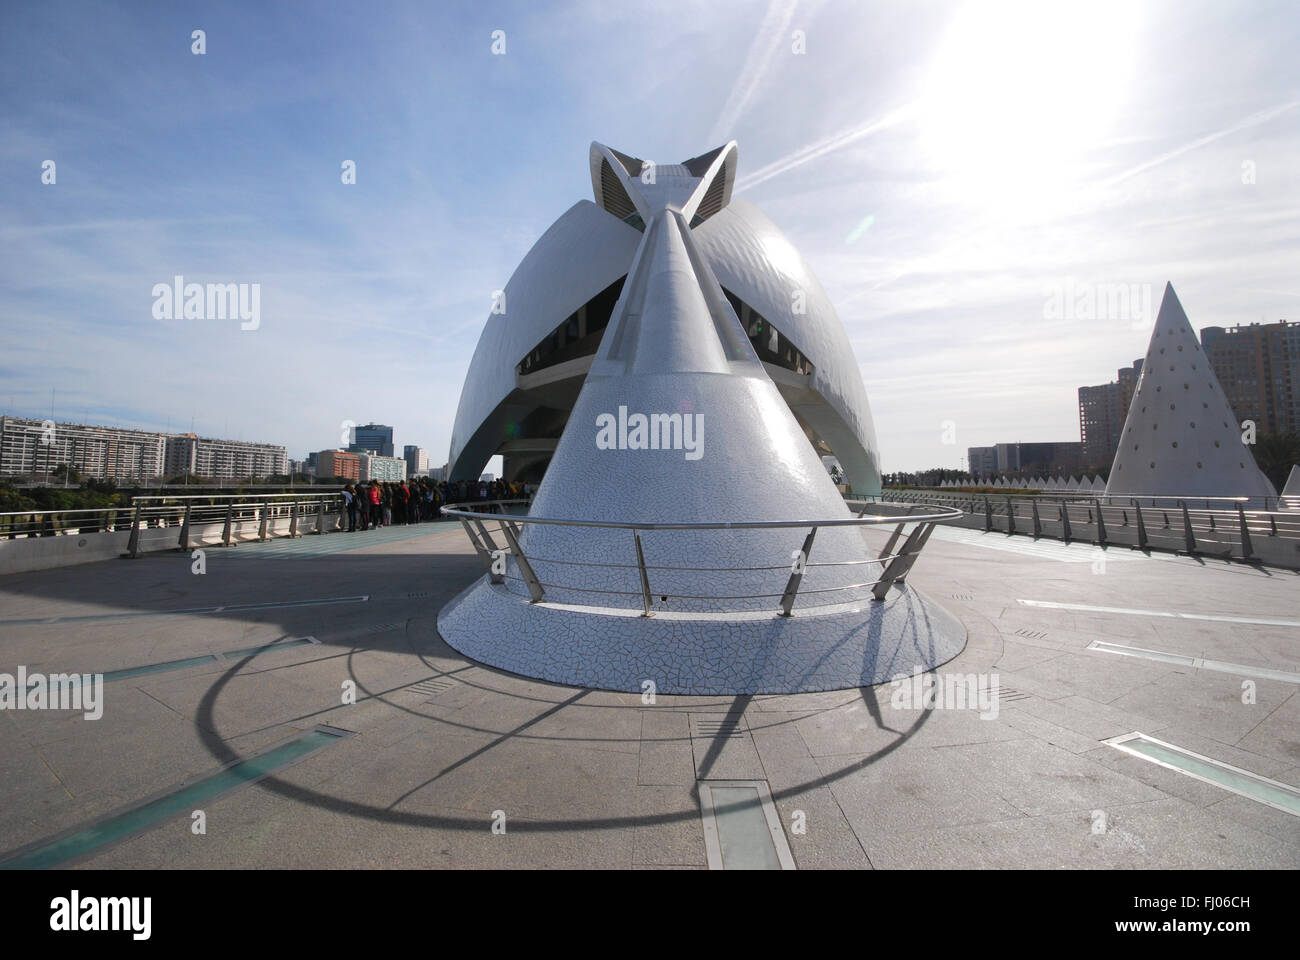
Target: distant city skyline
{"x": 997, "y": 192}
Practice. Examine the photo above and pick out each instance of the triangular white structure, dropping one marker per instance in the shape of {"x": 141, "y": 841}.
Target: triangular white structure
{"x": 1291, "y": 490}
{"x": 1098, "y": 485}
{"x": 1180, "y": 438}
{"x": 1073, "y": 484}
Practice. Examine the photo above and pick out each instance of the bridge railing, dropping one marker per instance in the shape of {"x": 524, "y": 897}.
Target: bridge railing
{"x": 482, "y": 520}
{"x": 195, "y": 518}
{"x": 1231, "y": 527}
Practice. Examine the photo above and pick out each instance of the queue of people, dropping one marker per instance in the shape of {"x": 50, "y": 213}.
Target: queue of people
{"x": 369, "y": 506}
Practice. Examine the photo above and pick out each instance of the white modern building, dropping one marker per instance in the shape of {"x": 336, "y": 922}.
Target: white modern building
{"x": 663, "y": 357}
{"x": 542, "y": 337}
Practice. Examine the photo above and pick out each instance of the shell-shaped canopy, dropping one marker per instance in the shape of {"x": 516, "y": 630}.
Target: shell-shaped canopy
{"x": 544, "y": 329}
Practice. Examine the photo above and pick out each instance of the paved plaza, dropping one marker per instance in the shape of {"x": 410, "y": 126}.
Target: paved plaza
{"x": 442, "y": 762}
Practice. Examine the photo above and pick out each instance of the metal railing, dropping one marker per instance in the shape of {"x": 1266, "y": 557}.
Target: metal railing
{"x": 188, "y": 514}
{"x": 1223, "y": 526}
{"x": 894, "y": 560}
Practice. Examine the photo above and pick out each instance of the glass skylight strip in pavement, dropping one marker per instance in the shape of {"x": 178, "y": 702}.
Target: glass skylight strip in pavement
{"x": 1199, "y": 663}
{"x": 741, "y": 828}
{"x": 85, "y": 841}
{"x": 1280, "y": 796}
{"x": 166, "y": 665}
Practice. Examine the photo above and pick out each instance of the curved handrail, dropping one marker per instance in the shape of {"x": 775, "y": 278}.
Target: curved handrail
{"x": 945, "y": 513}
{"x": 894, "y": 565}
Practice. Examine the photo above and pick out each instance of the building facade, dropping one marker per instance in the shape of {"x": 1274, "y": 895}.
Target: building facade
{"x": 372, "y": 438}
{"x": 338, "y": 463}
{"x": 31, "y": 447}
{"x": 213, "y": 459}
{"x": 1102, "y": 410}
{"x": 417, "y": 461}
{"x": 1258, "y": 366}
{"x": 384, "y": 469}
{"x": 1043, "y": 458}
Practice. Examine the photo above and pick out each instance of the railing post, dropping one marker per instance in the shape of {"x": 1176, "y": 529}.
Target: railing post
{"x": 133, "y": 545}
{"x": 185, "y": 528}
{"x": 1247, "y": 548}
{"x": 899, "y": 566}
{"x": 530, "y": 578}
{"x": 293, "y": 519}
{"x": 1101, "y": 527}
{"x": 266, "y": 512}
{"x": 988, "y": 516}
{"x": 320, "y": 516}
{"x": 1272, "y": 525}
{"x": 1011, "y": 517}
{"x": 226, "y": 534}
{"x": 645, "y": 579}
{"x": 796, "y": 574}
{"x": 1189, "y": 538}
{"x": 481, "y": 550}
{"x": 1067, "y": 532}
{"x": 1038, "y": 525}
{"x": 1141, "y": 525}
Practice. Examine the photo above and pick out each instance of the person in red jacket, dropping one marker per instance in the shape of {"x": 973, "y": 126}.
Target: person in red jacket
{"x": 376, "y": 510}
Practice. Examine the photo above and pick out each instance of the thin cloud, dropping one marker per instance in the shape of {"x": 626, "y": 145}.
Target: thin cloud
{"x": 814, "y": 151}
{"x": 1254, "y": 120}
{"x": 762, "y": 50}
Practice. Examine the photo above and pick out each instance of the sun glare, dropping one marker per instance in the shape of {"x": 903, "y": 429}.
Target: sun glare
{"x": 1019, "y": 91}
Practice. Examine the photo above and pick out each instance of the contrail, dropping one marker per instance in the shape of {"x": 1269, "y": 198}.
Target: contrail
{"x": 1251, "y": 121}
{"x": 766, "y": 42}
{"x": 824, "y": 146}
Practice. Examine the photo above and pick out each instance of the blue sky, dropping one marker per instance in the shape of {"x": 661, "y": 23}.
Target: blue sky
{"x": 944, "y": 167}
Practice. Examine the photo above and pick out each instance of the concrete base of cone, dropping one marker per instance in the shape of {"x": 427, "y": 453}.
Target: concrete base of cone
{"x": 831, "y": 648}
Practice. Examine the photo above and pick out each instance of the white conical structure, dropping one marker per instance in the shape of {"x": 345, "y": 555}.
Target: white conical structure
{"x": 1180, "y": 438}
{"x": 1291, "y": 490}
{"x": 1098, "y": 485}
{"x": 1073, "y": 484}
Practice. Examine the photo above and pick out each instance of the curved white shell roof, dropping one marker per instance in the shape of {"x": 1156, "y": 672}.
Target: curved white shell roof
{"x": 589, "y": 248}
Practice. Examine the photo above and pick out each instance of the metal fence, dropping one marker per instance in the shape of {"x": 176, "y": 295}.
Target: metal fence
{"x": 271, "y": 515}
{"x": 1223, "y": 526}
{"x": 893, "y": 562}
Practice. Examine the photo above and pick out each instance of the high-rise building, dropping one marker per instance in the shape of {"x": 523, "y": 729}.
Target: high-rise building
{"x": 372, "y": 438}
{"x": 1258, "y": 366}
{"x": 383, "y": 469}
{"x": 417, "y": 461}
{"x": 1053, "y": 457}
{"x": 338, "y": 463}
{"x": 223, "y": 459}
{"x": 29, "y": 447}
{"x": 982, "y": 461}
{"x": 1102, "y": 410}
